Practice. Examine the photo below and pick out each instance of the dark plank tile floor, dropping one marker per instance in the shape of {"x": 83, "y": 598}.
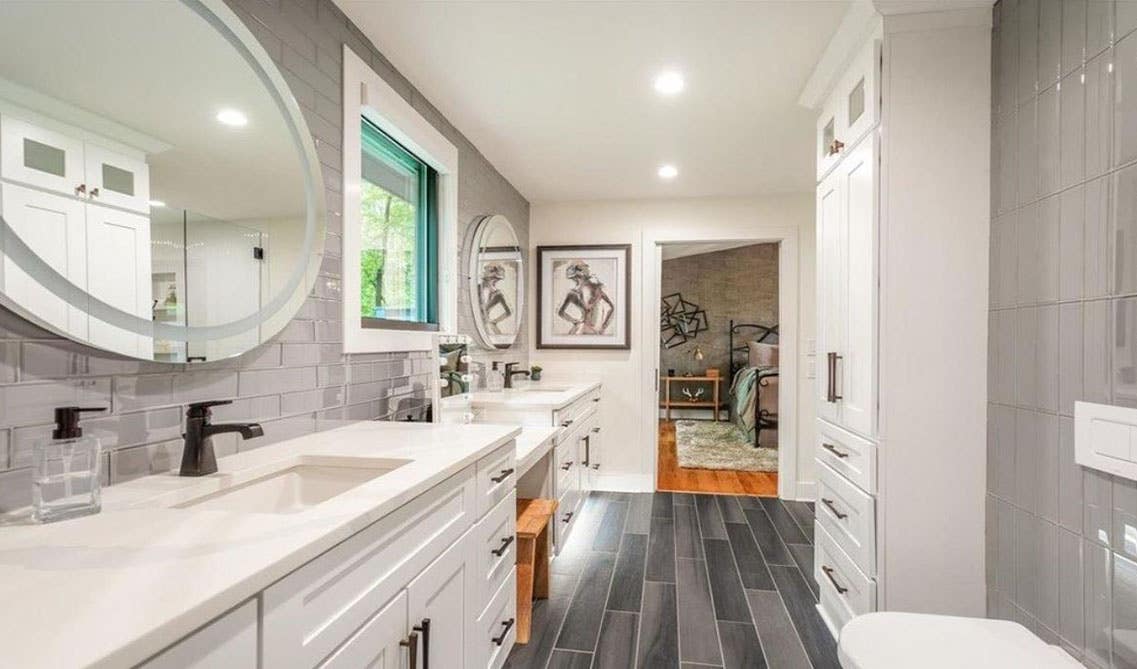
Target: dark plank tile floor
{"x": 682, "y": 580}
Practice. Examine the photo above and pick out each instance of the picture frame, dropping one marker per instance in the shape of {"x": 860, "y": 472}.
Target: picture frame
{"x": 584, "y": 296}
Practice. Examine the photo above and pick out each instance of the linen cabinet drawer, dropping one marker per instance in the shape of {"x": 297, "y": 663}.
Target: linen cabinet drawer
{"x": 310, "y": 612}
{"x": 577, "y": 410}
{"x": 495, "y": 541}
{"x": 567, "y": 512}
{"x": 846, "y": 592}
{"x": 852, "y": 456}
{"x": 497, "y": 477}
{"x": 849, "y": 515}
{"x": 496, "y": 628}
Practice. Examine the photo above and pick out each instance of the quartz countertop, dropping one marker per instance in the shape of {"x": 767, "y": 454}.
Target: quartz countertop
{"x": 113, "y": 589}
{"x": 552, "y": 395}
{"x": 533, "y": 444}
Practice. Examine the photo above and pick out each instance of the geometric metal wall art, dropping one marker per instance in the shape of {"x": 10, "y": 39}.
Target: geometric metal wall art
{"x": 680, "y": 321}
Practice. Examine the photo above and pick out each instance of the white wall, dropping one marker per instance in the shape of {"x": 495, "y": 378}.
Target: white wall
{"x": 628, "y": 436}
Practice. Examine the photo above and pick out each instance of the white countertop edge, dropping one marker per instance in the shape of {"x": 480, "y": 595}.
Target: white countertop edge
{"x": 517, "y": 397}
{"x": 532, "y": 445}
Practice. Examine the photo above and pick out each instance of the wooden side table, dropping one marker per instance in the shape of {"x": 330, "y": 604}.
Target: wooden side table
{"x": 669, "y": 402}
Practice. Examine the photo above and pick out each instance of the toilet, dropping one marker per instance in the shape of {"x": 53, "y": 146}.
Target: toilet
{"x": 890, "y": 640}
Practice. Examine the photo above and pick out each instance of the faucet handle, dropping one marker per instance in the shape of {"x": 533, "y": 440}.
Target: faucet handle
{"x": 201, "y": 409}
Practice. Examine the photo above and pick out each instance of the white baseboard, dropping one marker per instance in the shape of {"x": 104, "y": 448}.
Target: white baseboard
{"x": 806, "y": 491}
{"x": 626, "y": 483}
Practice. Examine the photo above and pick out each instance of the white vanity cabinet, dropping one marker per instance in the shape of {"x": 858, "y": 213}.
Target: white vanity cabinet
{"x": 230, "y": 642}
{"x": 900, "y": 387}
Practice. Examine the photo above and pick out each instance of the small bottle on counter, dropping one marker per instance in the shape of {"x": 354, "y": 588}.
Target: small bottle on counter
{"x": 66, "y": 470}
{"x": 495, "y": 379}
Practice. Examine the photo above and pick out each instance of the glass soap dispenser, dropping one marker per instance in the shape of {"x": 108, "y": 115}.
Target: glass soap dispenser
{"x": 66, "y": 474}
{"x": 495, "y": 379}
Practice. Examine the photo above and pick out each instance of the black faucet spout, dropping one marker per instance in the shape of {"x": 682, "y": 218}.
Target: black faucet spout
{"x": 198, "y": 458}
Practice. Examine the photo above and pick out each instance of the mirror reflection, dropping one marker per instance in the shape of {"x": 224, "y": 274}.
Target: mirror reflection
{"x": 497, "y": 281}
{"x": 156, "y": 188}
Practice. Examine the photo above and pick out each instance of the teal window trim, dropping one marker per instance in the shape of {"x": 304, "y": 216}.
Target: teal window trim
{"x": 382, "y": 146}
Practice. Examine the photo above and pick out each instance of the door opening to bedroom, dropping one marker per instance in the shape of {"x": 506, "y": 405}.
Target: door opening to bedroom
{"x": 718, "y": 368}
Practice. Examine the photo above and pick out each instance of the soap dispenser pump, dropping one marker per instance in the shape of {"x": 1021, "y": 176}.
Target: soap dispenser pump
{"x": 495, "y": 380}
{"x": 66, "y": 470}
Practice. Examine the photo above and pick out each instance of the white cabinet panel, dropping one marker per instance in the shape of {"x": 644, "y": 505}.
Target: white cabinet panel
{"x": 441, "y": 602}
{"x": 116, "y": 179}
{"x": 847, "y": 454}
{"x": 857, "y": 368}
{"x": 495, "y": 549}
{"x": 230, "y": 642}
{"x": 831, "y": 271}
{"x": 593, "y": 454}
{"x": 40, "y": 157}
{"x": 845, "y": 591}
{"x": 849, "y": 515}
{"x": 496, "y": 629}
{"x": 377, "y": 644}
{"x": 118, "y": 266}
{"x": 497, "y": 477}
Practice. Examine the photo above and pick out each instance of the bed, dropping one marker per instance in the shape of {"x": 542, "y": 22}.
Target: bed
{"x": 754, "y": 370}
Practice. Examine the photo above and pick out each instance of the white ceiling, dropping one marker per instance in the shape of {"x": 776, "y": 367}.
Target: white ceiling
{"x": 558, "y": 95}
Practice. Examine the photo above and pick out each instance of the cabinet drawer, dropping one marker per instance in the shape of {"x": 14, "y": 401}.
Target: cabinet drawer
{"x": 851, "y": 456}
{"x": 497, "y": 477}
{"x": 497, "y": 627}
{"x": 230, "y": 642}
{"x": 845, "y": 591}
{"x": 567, "y": 512}
{"x": 313, "y": 610}
{"x": 849, "y": 515}
{"x": 577, "y": 410}
{"x": 495, "y": 541}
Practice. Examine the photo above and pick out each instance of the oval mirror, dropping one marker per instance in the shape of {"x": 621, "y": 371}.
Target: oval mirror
{"x": 160, "y": 195}
{"x": 497, "y": 280}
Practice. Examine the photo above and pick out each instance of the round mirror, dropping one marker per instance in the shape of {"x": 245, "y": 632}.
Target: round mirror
{"x": 497, "y": 280}
{"x": 160, "y": 195}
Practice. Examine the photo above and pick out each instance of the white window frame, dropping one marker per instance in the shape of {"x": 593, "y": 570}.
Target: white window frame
{"x": 365, "y": 93}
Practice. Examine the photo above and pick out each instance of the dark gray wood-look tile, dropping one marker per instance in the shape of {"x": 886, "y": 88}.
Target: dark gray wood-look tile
{"x": 611, "y": 527}
{"x": 802, "y": 515}
{"x": 639, "y": 514}
{"x": 751, "y": 566}
{"x": 661, "y": 551}
{"x": 661, "y": 505}
{"x": 696, "y": 665}
{"x": 617, "y": 646}
{"x": 815, "y": 637}
{"x": 731, "y": 511}
{"x": 710, "y": 518}
{"x": 628, "y": 580}
{"x": 779, "y": 638}
{"x": 688, "y": 543}
{"x": 682, "y": 499}
{"x": 740, "y": 646}
{"x": 803, "y": 557}
{"x": 698, "y": 634}
{"x": 659, "y": 628}
{"x": 748, "y": 502}
{"x": 585, "y": 613}
{"x": 783, "y": 521}
{"x": 548, "y": 614}
{"x": 768, "y": 539}
{"x": 567, "y": 659}
{"x": 729, "y": 598}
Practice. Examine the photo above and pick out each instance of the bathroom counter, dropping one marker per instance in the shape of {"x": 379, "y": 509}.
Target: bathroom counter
{"x": 532, "y": 445}
{"x": 111, "y": 590}
{"x": 534, "y": 395}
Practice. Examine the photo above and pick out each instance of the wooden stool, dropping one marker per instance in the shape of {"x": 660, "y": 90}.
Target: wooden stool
{"x": 532, "y": 559}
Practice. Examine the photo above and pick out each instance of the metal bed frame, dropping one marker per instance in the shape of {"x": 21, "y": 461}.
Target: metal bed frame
{"x": 762, "y": 419}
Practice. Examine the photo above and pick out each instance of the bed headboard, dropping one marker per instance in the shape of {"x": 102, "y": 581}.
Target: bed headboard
{"x": 746, "y": 333}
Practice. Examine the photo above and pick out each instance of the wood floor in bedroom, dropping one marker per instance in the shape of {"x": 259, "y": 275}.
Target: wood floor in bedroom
{"x": 674, "y": 478}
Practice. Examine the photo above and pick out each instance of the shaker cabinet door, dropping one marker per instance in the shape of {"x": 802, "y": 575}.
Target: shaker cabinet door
{"x": 441, "y": 602}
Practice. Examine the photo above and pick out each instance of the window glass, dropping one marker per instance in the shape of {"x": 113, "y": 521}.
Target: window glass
{"x": 398, "y": 259}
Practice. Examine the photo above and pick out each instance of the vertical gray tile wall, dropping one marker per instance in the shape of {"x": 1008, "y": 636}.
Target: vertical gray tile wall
{"x": 1062, "y": 540}
{"x": 299, "y": 382}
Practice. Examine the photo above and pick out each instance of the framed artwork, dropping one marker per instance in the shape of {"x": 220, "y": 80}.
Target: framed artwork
{"x": 584, "y": 296}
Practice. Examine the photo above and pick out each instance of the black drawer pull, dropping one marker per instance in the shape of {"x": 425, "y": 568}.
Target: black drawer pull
{"x": 566, "y": 423}
{"x": 596, "y": 430}
{"x": 568, "y": 517}
{"x": 595, "y": 399}
{"x": 411, "y": 644}
{"x": 424, "y": 628}
{"x": 829, "y": 503}
{"x": 504, "y": 545}
{"x": 504, "y": 633}
{"x": 504, "y": 475}
{"x": 567, "y": 465}
{"x": 833, "y": 449}
{"x": 828, "y": 571}
{"x": 596, "y": 466}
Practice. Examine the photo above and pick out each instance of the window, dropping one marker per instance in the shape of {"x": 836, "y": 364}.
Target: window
{"x": 398, "y": 256}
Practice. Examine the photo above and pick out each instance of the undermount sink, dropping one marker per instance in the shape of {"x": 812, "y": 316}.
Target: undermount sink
{"x": 296, "y": 488}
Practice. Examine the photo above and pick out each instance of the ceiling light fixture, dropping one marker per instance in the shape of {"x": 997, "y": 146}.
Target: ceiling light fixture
{"x": 156, "y": 203}
{"x": 668, "y": 172}
{"x": 232, "y": 117}
{"x": 669, "y": 83}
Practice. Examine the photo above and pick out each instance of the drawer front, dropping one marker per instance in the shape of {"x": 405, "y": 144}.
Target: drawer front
{"x": 579, "y": 408}
{"x": 495, "y": 541}
{"x": 497, "y": 627}
{"x": 571, "y": 427}
{"x": 849, "y": 515}
{"x": 497, "y": 477}
{"x": 852, "y": 456}
{"x": 230, "y": 642}
{"x": 313, "y": 610}
{"x": 845, "y": 591}
{"x": 567, "y": 512}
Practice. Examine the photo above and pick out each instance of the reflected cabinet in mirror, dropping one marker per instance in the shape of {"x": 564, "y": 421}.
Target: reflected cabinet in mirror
{"x": 159, "y": 192}
{"x": 495, "y": 264}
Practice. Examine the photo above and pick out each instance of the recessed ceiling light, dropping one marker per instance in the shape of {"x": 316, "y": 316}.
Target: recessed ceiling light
{"x": 156, "y": 203}
{"x": 669, "y": 82}
{"x": 232, "y": 117}
{"x": 668, "y": 172}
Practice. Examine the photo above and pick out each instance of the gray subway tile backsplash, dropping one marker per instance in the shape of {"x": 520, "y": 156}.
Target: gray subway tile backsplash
{"x": 294, "y": 385}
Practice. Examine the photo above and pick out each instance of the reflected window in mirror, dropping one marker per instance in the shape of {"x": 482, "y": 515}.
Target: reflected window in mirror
{"x": 399, "y": 234}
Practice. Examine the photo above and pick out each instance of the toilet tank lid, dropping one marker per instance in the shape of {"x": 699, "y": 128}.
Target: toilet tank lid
{"x": 891, "y": 640}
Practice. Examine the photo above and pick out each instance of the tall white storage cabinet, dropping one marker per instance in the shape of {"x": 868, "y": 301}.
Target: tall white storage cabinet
{"x": 903, "y": 164}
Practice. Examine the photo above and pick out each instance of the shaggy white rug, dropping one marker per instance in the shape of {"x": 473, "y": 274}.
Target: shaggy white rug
{"x": 701, "y": 444}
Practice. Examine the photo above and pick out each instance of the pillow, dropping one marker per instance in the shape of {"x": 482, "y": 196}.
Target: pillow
{"x": 763, "y": 355}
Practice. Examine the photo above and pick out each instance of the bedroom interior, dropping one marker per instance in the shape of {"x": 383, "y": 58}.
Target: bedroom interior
{"x": 718, "y": 362}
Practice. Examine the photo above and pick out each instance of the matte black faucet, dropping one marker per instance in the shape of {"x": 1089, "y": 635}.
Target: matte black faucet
{"x": 510, "y": 372}
{"x": 198, "y": 458}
